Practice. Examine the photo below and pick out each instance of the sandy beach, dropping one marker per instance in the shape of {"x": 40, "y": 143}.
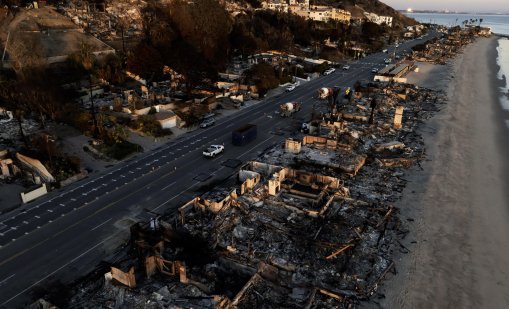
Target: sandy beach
{"x": 457, "y": 207}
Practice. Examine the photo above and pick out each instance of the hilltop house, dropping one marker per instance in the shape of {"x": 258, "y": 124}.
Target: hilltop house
{"x": 378, "y": 19}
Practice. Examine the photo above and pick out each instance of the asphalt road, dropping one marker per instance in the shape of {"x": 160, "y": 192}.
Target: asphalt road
{"x": 64, "y": 235}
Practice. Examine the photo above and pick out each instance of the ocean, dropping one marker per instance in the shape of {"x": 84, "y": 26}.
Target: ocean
{"x": 498, "y": 23}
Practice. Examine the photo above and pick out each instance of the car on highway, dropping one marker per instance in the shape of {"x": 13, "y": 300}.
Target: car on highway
{"x": 387, "y": 60}
{"x": 374, "y": 70}
{"x": 346, "y": 67}
{"x": 290, "y": 88}
{"x": 207, "y": 123}
{"x": 213, "y": 150}
{"x": 329, "y": 71}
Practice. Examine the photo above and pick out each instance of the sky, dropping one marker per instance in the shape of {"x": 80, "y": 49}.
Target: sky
{"x": 492, "y": 6}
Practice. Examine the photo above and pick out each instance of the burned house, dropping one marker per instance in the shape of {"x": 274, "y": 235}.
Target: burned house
{"x": 308, "y": 225}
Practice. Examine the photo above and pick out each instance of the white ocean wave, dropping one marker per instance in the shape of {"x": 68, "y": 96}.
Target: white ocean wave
{"x": 503, "y": 63}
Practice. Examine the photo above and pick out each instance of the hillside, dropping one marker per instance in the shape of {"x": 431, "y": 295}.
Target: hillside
{"x": 357, "y": 8}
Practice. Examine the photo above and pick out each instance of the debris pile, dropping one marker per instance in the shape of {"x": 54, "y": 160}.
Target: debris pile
{"x": 438, "y": 51}
{"x": 312, "y": 225}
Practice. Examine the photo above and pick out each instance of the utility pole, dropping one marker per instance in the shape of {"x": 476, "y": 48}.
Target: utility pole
{"x": 5, "y": 48}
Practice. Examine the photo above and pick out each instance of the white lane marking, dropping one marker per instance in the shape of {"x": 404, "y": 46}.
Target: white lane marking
{"x": 216, "y": 158}
{"x": 164, "y": 203}
{"x": 5, "y": 280}
{"x": 171, "y": 184}
{"x": 55, "y": 271}
{"x": 256, "y": 145}
{"x": 101, "y": 224}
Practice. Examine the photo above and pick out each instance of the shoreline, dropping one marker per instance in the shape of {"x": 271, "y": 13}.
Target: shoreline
{"x": 458, "y": 219}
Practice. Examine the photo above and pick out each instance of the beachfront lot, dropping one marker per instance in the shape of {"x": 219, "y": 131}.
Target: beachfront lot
{"x": 457, "y": 206}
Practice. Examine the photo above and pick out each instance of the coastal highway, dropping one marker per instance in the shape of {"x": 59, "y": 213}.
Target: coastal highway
{"x": 64, "y": 235}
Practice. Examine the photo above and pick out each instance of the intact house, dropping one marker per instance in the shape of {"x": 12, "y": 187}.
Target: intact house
{"x": 378, "y": 19}
{"x": 167, "y": 119}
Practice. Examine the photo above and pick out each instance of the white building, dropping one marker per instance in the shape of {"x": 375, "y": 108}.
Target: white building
{"x": 377, "y": 19}
{"x": 276, "y": 5}
{"x": 167, "y": 119}
{"x": 320, "y": 13}
{"x": 304, "y": 9}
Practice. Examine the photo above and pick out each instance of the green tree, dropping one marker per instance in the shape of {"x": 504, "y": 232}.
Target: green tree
{"x": 145, "y": 61}
{"x": 110, "y": 69}
{"x": 205, "y": 25}
{"x": 119, "y": 134}
{"x": 264, "y": 77}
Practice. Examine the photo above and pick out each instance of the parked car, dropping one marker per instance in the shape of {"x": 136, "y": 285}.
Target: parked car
{"x": 346, "y": 67}
{"x": 329, "y": 71}
{"x": 207, "y": 122}
{"x": 387, "y": 60}
{"x": 290, "y": 88}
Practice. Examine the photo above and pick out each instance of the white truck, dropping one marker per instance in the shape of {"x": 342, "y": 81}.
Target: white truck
{"x": 213, "y": 150}
{"x": 287, "y": 109}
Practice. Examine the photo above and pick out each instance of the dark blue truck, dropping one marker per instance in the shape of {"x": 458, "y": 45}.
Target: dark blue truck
{"x": 243, "y": 135}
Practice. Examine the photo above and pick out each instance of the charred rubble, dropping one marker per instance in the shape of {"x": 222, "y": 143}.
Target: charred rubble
{"x": 310, "y": 224}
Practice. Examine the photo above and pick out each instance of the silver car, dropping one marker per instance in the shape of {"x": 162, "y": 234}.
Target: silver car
{"x": 207, "y": 123}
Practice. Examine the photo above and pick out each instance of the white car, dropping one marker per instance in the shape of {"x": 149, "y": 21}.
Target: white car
{"x": 207, "y": 123}
{"x": 387, "y": 60}
{"x": 374, "y": 70}
{"x": 346, "y": 67}
{"x": 290, "y": 88}
{"x": 329, "y": 71}
{"x": 213, "y": 150}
